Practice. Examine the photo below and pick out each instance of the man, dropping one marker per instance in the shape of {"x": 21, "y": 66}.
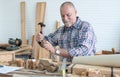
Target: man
{"x": 75, "y": 38}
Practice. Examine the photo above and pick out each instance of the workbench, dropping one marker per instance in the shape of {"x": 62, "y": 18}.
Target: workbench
{"x": 6, "y": 56}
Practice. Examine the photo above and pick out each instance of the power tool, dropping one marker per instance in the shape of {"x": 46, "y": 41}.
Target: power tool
{"x": 14, "y": 44}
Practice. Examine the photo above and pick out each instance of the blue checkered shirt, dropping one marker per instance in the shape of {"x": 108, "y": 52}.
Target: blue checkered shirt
{"x": 78, "y": 40}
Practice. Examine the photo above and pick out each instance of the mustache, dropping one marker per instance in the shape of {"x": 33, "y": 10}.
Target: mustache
{"x": 66, "y": 21}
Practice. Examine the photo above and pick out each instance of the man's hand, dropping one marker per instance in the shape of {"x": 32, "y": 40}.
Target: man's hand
{"x": 49, "y": 47}
{"x": 39, "y": 37}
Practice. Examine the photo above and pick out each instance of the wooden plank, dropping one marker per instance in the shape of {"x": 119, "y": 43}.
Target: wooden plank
{"x": 29, "y": 47}
{"x": 5, "y": 45}
{"x": 39, "y": 52}
{"x": 3, "y": 75}
{"x": 23, "y": 24}
{"x": 106, "y": 52}
{"x": 103, "y": 60}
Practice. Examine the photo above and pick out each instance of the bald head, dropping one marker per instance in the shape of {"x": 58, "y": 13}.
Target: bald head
{"x": 67, "y": 3}
{"x": 68, "y": 13}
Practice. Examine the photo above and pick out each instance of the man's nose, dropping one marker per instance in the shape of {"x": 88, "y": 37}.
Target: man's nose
{"x": 65, "y": 18}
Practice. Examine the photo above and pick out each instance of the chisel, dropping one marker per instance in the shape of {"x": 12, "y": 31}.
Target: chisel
{"x": 63, "y": 67}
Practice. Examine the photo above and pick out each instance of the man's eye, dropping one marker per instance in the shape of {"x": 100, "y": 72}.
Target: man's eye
{"x": 63, "y": 16}
{"x": 69, "y": 15}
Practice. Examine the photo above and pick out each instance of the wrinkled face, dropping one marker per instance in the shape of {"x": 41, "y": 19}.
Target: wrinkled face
{"x": 68, "y": 15}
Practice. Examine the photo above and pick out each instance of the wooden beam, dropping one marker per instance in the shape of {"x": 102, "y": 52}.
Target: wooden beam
{"x": 23, "y": 24}
{"x": 39, "y": 52}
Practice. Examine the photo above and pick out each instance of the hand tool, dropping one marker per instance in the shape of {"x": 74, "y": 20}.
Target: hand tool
{"x": 43, "y": 41}
{"x": 63, "y": 67}
{"x": 42, "y": 26}
{"x": 41, "y": 31}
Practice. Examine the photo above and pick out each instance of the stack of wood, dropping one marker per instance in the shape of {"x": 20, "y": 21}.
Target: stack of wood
{"x": 17, "y": 62}
{"x": 106, "y": 64}
{"x": 48, "y": 64}
{"x": 81, "y": 70}
{"x": 32, "y": 64}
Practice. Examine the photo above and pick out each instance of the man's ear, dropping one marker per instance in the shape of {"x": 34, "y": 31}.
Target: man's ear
{"x": 76, "y": 12}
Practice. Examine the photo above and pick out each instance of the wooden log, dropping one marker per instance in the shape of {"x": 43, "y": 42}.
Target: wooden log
{"x": 103, "y": 60}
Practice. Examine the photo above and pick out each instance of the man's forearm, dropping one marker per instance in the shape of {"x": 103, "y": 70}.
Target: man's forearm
{"x": 64, "y": 53}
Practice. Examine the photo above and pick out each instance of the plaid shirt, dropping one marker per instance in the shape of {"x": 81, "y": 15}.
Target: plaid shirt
{"x": 78, "y": 40}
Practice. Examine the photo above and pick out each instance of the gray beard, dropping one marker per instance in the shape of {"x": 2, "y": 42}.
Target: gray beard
{"x": 67, "y": 24}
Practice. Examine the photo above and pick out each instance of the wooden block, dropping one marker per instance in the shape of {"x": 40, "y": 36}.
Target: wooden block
{"x": 18, "y": 62}
{"x": 106, "y": 52}
{"x": 53, "y": 67}
{"x": 32, "y": 64}
{"x": 47, "y": 64}
{"x": 6, "y": 56}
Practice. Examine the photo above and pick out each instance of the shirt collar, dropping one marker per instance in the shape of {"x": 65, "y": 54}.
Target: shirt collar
{"x": 77, "y": 24}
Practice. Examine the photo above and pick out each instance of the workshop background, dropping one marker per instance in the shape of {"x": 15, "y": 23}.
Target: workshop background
{"x": 103, "y": 15}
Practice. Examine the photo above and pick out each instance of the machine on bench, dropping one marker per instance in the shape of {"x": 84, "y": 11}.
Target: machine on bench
{"x": 13, "y": 44}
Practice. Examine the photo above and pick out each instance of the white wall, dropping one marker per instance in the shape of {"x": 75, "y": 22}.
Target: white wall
{"x": 104, "y": 16}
